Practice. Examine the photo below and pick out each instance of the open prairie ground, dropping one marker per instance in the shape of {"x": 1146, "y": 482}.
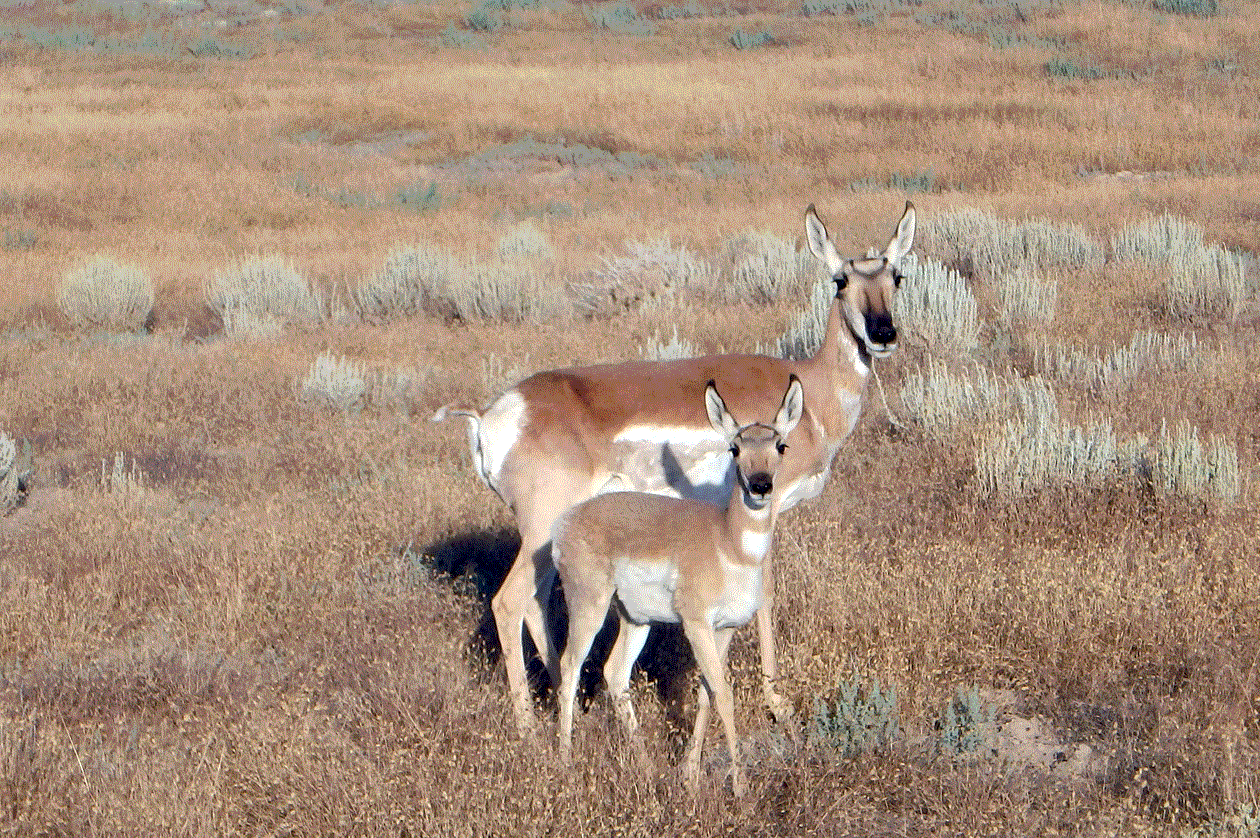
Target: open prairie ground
{"x": 241, "y": 598}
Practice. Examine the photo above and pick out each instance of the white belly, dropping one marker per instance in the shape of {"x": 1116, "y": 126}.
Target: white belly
{"x": 646, "y": 589}
{"x": 741, "y": 597}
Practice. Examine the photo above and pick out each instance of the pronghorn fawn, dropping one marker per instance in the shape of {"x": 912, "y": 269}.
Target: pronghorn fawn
{"x": 556, "y": 438}
{"x": 671, "y": 560}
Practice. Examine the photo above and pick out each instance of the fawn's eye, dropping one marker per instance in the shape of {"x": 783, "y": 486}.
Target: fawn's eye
{"x": 782, "y": 446}
{"x": 734, "y": 450}
{"x": 841, "y": 280}
{"x": 897, "y": 280}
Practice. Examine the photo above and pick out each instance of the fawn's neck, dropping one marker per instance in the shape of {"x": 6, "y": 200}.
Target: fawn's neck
{"x": 750, "y": 523}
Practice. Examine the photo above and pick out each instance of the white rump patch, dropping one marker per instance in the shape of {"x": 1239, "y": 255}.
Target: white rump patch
{"x": 501, "y": 427}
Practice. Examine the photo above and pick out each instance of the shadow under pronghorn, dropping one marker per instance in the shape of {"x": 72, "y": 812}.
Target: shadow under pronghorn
{"x": 477, "y": 562}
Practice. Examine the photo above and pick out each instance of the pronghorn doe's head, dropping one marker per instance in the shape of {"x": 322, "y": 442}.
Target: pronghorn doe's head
{"x": 758, "y": 449}
{"x": 865, "y": 287}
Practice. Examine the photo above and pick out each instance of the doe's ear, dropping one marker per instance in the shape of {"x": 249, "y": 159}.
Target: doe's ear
{"x": 903, "y": 239}
{"x": 790, "y": 411}
{"x": 819, "y": 243}
{"x": 719, "y": 417}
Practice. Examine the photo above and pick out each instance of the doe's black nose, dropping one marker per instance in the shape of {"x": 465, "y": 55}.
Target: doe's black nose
{"x": 760, "y": 484}
{"x": 884, "y": 333}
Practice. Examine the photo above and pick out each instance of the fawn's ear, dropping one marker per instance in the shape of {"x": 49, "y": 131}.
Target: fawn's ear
{"x": 903, "y": 239}
{"x": 791, "y": 409}
{"x": 719, "y": 417}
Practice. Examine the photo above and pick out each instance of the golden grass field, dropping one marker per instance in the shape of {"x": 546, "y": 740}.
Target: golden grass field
{"x": 241, "y": 634}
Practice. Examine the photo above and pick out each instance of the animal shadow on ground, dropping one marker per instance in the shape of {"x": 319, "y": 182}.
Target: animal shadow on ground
{"x": 477, "y": 562}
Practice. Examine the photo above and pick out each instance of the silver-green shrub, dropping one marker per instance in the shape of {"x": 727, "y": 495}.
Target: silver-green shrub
{"x": 12, "y": 477}
{"x": 411, "y": 280}
{"x": 980, "y": 244}
{"x": 504, "y": 291}
{"x": 861, "y": 719}
{"x": 671, "y": 350}
{"x": 1146, "y": 354}
{"x": 654, "y": 272}
{"x": 762, "y": 267}
{"x": 1047, "y": 246}
{"x": 807, "y": 330}
{"x": 1027, "y": 299}
{"x": 617, "y": 17}
{"x": 397, "y": 389}
{"x": 1183, "y": 465}
{"x": 257, "y": 295}
{"x": 943, "y": 402}
{"x": 525, "y": 241}
{"x": 104, "y": 294}
{"x": 1202, "y": 280}
{"x": 336, "y": 382}
{"x": 967, "y": 727}
{"x": 1021, "y": 457}
{"x": 936, "y": 307}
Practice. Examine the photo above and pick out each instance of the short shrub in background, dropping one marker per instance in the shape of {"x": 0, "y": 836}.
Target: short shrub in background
{"x": 259, "y": 295}
{"x": 336, "y": 382}
{"x": 412, "y": 280}
{"x": 13, "y": 478}
{"x": 104, "y": 294}
{"x": 862, "y": 718}
{"x": 936, "y": 306}
{"x": 1203, "y": 280}
{"x": 525, "y": 242}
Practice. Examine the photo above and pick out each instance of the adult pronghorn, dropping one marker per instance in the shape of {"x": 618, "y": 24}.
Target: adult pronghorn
{"x": 557, "y": 437}
{"x": 674, "y": 560}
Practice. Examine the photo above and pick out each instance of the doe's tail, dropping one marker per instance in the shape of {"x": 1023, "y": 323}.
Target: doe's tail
{"x": 474, "y": 433}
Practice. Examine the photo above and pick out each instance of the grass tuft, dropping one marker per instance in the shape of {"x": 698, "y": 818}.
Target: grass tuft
{"x": 935, "y": 306}
{"x": 257, "y": 296}
{"x": 742, "y": 40}
{"x": 104, "y": 294}
{"x": 862, "y": 718}
{"x": 671, "y": 350}
{"x": 335, "y": 382}
{"x": 1202, "y": 280}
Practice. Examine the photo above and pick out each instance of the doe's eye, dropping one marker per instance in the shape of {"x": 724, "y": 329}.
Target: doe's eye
{"x": 897, "y": 280}
{"x": 782, "y": 446}
{"x": 841, "y": 280}
{"x": 734, "y": 450}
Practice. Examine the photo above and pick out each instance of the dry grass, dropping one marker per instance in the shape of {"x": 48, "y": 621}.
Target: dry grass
{"x": 277, "y": 622}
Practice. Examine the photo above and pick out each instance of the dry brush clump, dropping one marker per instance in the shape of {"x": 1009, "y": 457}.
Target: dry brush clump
{"x": 517, "y": 285}
{"x": 13, "y": 479}
{"x": 1202, "y": 280}
{"x": 108, "y": 295}
{"x": 258, "y": 296}
{"x": 655, "y": 273}
{"x": 981, "y": 245}
{"x": 1147, "y": 354}
{"x": 937, "y": 308}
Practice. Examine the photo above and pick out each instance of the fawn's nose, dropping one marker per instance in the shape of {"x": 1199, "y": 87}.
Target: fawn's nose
{"x": 760, "y": 484}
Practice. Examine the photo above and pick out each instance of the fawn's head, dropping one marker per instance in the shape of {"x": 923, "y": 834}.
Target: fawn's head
{"x": 757, "y": 448}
